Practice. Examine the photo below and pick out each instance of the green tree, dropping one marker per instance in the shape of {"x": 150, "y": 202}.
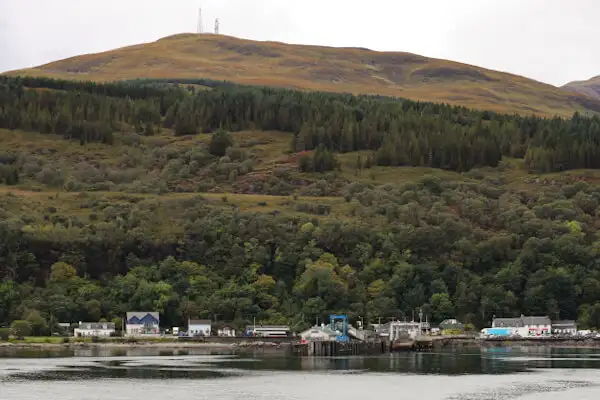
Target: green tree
{"x": 38, "y": 325}
{"x": 20, "y": 329}
{"x": 220, "y": 141}
{"x": 118, "y": 321}
{"x": 62, "y": 272}
{"x": 594, "y": 316}
{"x": 185, "y": 118}
{"x": 441, "y": 307}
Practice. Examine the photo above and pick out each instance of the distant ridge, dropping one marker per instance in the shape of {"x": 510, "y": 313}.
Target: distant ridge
{"x": 590, "y": 87}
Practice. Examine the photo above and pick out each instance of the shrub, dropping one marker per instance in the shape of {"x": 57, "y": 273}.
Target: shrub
{"x": 4, "y": 334}
{"x": 317, "y": 209}
{"x": 321, "y": 160}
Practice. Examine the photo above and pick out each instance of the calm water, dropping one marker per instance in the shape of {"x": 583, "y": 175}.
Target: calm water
{"x": 498, "y": 374}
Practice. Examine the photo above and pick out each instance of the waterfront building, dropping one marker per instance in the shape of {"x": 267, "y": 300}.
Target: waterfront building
{"x": 523, "y": 326}
{"x": 97, "y": 329}
{"x": 565, "y": 328}
{"x": 142, "y": 324}
{"x": 199, "y": 327}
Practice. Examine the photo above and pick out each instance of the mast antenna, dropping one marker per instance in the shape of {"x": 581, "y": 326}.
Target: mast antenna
{"x": 200, "y": 28}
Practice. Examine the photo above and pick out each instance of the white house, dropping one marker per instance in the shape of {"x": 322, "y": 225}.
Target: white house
{"x": 568, "y": 328}
{"x": 199, "y": 327}
{"x": 226, "y": 331}
{"x": 142, "y": 324}
{"x": 98, "y": 329}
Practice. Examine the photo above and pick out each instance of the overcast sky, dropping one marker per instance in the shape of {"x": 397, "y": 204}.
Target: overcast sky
{"x": 553, "y": 41}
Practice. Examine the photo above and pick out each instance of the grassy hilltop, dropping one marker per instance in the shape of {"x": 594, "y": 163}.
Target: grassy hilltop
{"x": 351, "y": 70}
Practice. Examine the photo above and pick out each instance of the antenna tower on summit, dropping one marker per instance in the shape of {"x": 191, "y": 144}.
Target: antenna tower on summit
{"x": 200, "y": 28}
{"x": 217, "y": 26}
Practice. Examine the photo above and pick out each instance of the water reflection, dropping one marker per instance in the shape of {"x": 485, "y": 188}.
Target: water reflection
{"x": 148, "y": 363}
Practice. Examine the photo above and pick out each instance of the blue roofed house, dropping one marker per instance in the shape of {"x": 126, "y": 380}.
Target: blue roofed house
{"x": 142, "y": 324}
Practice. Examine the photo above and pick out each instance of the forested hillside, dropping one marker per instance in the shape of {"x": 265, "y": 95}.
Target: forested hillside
{"x": 226, "y": 202}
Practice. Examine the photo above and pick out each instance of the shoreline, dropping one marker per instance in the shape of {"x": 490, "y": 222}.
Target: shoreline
{"x": 535, "y": 342}
{"x": 145, "y": 345}
{"x": 279, "y": 345}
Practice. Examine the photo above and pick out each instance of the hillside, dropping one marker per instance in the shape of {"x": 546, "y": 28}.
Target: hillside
{"x": 590, "y": 87}
{"x": 376, "y": 243}
{"x": 321, "y": 68}
{"x": 238, "y": 203}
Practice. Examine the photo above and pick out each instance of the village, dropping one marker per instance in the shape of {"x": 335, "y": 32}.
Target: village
{"x": 337, "y": 329}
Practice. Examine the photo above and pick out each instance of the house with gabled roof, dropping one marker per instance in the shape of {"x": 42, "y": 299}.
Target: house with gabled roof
{"x": 98, "y": 329}
{"x": 142, "y": 323}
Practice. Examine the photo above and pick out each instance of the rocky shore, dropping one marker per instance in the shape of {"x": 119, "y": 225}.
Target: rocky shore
{"x": 279, "y": 345}
{"x": 507, "y": 342}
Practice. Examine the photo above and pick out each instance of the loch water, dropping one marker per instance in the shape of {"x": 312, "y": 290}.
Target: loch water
{"x": 149, "y": 373}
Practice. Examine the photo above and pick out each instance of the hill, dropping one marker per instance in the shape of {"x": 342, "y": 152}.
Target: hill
{"x": 133, "y": 196}
{"x": 590, "y": 87}
{"x": 350, "y": 70}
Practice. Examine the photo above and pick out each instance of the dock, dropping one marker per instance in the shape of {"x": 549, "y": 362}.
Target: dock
{"x": 336, "y": 348}
{"x": 422, "y": 343}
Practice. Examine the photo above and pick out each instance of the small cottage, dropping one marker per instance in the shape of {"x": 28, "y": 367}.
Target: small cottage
{"x": 199, "y": 327}
{"x": 226, "y": 331}
{"x": 452, "y": 327}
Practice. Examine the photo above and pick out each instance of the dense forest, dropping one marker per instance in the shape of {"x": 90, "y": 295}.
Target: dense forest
{"x": 401, "y": 132}
{"x": 469, "y": 247}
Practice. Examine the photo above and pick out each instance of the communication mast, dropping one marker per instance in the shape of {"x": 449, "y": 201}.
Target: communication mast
{"x": 200, "y": 28}
{"x": 217, "y": 26}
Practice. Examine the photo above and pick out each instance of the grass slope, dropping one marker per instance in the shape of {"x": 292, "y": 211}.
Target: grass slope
{"x": 321, "y": 68}
{"x": 35, "y": 195}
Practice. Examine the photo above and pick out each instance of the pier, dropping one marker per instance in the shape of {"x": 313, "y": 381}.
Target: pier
{"x": 337, "y": 348}
{"x": 339, "y": 338}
